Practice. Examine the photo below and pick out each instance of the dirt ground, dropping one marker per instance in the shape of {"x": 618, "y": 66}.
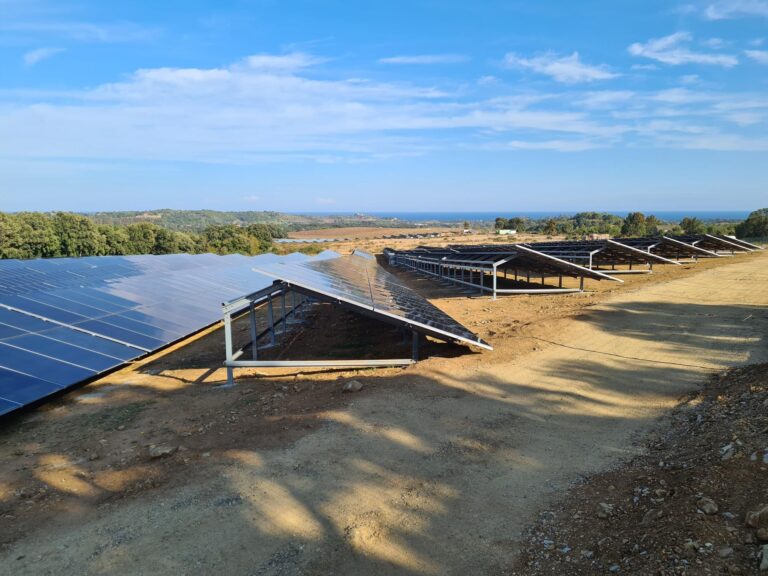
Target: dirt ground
{"x": 365, "y": 232}
{"x": 373, "y": 239}
{"x": 433, "y": 469}
{"x": 696, "y": 502}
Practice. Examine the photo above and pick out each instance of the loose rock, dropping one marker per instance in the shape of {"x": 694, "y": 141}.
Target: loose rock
{"x": 707, "y": 505}
{"x": 352, "y": 386}
{"x": 161, "y": 451}
{"x": 604, "y": 510}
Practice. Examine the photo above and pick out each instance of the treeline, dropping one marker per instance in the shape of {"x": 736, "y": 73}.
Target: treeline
{"x": 635, "y": 224}
{"x": 42, "y": 235}
{"x": 196, "y": 221}
{"x": 755, "y": 226}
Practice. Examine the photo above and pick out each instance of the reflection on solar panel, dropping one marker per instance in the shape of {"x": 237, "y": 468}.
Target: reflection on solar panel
{"x": 358, "y": 281}
{"x": 714, "y": 243}
{"x": 66, "y": 320}
{"x": 667, "y": 247}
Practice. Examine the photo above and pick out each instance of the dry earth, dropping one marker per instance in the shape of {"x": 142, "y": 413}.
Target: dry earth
{"x": 435, "y": 469}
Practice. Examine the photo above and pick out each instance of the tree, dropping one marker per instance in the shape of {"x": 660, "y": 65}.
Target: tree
{"x": 38, "y": 235}
{"x": 78, "y": 235}
{"x": 692, "y": 226}
{"x": 260, "y": 236}
{"x": 634, "y": 225}
{"x": 116, "y": 241}
{"x": 517, "y": 223}
{"x": 142, "y": 237}
{"x": 226, "y": 239}
{"x": 11, "y": 245}
{"x": 550, "y": 227}
{"x": 500, "y": 223}
{"x": 652, "y": 225}
{"x": 755, "y": 226}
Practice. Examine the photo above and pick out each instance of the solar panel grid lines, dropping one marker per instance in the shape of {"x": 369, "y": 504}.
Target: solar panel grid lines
{"x": 66, "y": 320}
{"x": 363, "y": 284}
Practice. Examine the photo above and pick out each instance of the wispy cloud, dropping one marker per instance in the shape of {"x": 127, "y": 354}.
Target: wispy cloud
{"x": 735, "y": 9}
{"x": 276, "y": 107}
{"x": 566, "y": 69}
{"x": 426, "y": 59}
{"x": 759, "y": 56}
{"x": 34, "y": 56}
{"x": 80, "y": 31}
{"x": 669, "y": 50}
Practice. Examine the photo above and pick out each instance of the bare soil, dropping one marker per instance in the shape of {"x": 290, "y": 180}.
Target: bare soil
{"x": 365, "y": 232}
{"x": 649, "y": 516}
{"x": 434, "y": 469}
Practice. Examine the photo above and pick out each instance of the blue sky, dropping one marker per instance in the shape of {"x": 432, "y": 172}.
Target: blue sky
{"x": 362, "y": 106}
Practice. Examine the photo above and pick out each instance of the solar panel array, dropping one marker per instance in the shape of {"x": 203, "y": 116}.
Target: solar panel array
{"x": 524, "y": 256}
{"x": 66, "y": 320}
{"x": 359, "y": 281}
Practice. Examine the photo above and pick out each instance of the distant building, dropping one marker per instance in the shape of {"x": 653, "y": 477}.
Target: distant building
{"x": 503, "y": 232}
{"x": 467, "y": 231}
{"x": 597, "y": 237}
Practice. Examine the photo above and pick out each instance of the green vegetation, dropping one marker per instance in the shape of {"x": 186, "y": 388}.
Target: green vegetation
{"x": 198, "y": 221}
{"x": 635, "y": 224}
{"x": 755, "y": 226}
{"x": 36, "y": 235}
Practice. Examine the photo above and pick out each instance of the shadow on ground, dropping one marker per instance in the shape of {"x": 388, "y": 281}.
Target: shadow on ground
{"x": 426, "y": 471}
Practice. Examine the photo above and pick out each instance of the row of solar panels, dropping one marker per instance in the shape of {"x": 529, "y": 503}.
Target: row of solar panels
{"x": 579, "y": 257}
{"x": 359, "y": 281}
{"x": 66, "y": 320}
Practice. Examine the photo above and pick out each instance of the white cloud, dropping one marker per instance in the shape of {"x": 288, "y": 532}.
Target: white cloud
{"x": 566, "y": 69}
{"x": 426, "y": 59}
{"x": 714, "y": 43}
{"x": 487, "y": 80}
{"x": 690, "y": 79}
{"x": 555, "y": 145}
{"x": 251, "y": 198}
{"x": 668, "y": 50}
{"x": 275, "y": 108}
{"x": 81, "y": 31}
{"x": 745, "y": 118}
{"x": 735, "y": 9}
{"x": 34, "y": 56}
{"x": 759, "y": 56}
{"x": 285, "y": 62}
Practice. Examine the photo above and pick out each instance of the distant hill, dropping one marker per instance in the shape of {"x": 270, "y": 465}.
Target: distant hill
{"x": 198, "y": 220}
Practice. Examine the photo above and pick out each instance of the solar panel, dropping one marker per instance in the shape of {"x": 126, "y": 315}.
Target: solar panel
{"x": 524, "y": 256}
{"x": 66, "y": 320}
{"x": 359, "y": 281}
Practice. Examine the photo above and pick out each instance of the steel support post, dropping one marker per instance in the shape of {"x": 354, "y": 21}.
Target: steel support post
{"x": 254, "y": 331}
{"x": 494, "y": 282}
{"x": 228, "y": 348}
{"x": 271, "y": 315}
{"x": 285, "y": 316}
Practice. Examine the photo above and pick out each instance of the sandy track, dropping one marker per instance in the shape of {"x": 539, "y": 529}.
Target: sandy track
{"x": 437, "y": 471}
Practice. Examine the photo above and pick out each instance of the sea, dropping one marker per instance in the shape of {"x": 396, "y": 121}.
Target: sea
{"x": 665, "y": 215}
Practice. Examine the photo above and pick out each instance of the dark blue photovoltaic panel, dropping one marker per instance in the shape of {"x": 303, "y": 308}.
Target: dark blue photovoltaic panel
{"x": 22, "y": 389}
{"x": 63, "y": 351}
{"x": 359, "y": 280}
{"x": 64, "y": 320}
{"x": 42, "y": 367}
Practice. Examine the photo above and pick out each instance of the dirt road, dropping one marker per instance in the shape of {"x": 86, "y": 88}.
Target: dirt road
{"x": 434, "y": 470}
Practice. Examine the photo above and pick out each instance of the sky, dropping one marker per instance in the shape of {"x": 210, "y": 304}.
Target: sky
{"x": 418, "y": 105}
